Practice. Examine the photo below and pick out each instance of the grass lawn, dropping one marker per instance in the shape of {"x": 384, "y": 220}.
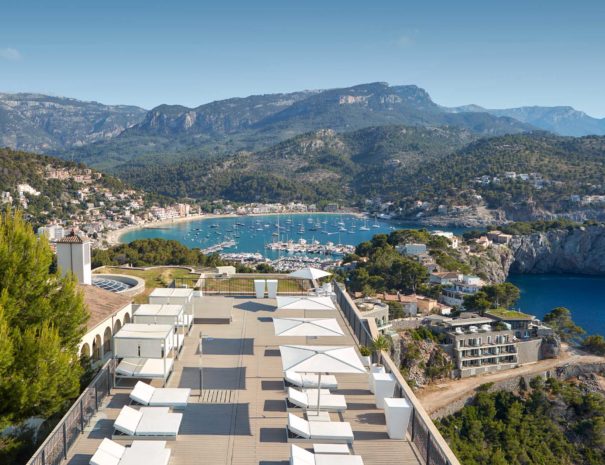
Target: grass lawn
{"x": 156, "y": 277}
{"x": 246, "y": 285}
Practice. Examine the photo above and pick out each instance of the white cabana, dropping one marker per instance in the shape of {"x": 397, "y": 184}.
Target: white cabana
{"x": 320, "y": 359}
{"x": 307, "y": 327}
{"x": 144, "y": 349}
{"x": 178, "y": 296}
{"x": 309, "y": 273}
{"x": 305, "y": 303}
{"x": 170, "y": 314}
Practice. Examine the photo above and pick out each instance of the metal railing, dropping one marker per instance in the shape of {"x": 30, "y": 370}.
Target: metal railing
{"x": 430, "y": 445}
{"x": 235, "y": 285}
{"x": 55, "y": 447}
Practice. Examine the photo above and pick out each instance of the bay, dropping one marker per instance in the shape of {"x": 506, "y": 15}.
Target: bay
{"x": 580, "y": 293}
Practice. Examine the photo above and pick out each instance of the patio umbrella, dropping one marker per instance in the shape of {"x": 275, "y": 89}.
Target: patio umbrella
{"x": 309, "y": 273}
{"x": 320, "y": 359}
{"x": 304, "y": 303}
{"x": 307, "y": 327}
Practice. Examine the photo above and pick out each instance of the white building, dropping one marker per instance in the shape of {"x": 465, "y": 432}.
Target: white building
{"x": 53, "y": 232}
{"x": 73, "y": 255}
{"x": 411, "y": 249}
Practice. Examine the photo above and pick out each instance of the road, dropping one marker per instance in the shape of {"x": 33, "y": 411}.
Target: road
{"x": 438, "y": 396}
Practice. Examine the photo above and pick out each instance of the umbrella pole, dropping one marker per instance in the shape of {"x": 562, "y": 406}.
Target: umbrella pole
{"x": 318, "y": 393}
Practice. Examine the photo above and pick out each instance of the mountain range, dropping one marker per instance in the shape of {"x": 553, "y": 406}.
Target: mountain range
{"x": 107, "y": 135}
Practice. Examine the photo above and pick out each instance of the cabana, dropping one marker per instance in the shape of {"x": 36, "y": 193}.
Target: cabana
{"x": 144, "y": 350}
{"x": 178, "y": 296}
{"x": 305, "y": 303}
{"x": 167, "y": 314}
{"x": 319, "y": 360}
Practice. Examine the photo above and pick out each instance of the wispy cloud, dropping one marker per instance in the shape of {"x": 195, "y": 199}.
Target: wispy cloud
{"x": 404, "y": 41}
{"x": 10, "y": 54}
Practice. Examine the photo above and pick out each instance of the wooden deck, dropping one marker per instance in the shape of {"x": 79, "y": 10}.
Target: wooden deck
{"x": 240, "y": 418}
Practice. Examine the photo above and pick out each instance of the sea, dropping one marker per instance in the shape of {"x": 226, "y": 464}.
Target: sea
{"x": 583, "y": 295}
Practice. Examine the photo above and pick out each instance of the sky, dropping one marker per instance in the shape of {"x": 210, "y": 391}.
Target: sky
{"x": 145, "y": 53}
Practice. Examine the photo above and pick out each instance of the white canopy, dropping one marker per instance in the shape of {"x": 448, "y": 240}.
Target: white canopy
{"x": 320, "y": 359}
{"x": 142, "y": 340}
{"x": 309, "y": 273}
{"x": 304, "y": 303}
{"x": 307, "y": 327}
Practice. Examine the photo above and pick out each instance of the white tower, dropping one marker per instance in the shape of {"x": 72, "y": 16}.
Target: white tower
{"x": 73, "y": 254}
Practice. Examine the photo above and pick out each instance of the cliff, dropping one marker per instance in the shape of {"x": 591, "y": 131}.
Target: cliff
{"x": 574, "y": 250}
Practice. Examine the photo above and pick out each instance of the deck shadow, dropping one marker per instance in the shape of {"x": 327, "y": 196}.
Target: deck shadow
{"x": 233, "y": 378}
{"x": 273, "y": 462}
{"x": 265, "y": 319}
{"x": 272, "y": 385}
{"x": 118, "y": 400}
{"x": 251, "y": 306}
{"x": 273, "y": 435}
{"x": 216, "y": 420}
{"x": 360, "y": 406}
{"x": 273, "y": 405}
{"x": 225, "y": 346}
{"x": 79, "y": 459}
{"x": 372, "y": 418}
{"x": 101, "y": 429}
{"x": 369, "y": 435}
{"x": 272, "y": 353}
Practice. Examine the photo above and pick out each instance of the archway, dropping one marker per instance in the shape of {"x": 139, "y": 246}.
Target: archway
{"x": 107, "y": 340}
{"x": 85, "y": 354}
{"x": 126, "y": 318}
{"x": 97, "y": 348}
{"x": 116, "y": 326}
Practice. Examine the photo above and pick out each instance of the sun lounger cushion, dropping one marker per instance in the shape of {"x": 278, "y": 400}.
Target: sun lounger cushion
{"x": 148, "y": 421}
{"x": 104, "y": 458}
{"x": 309, "y": 380}
{"x": 113, "y": 448}
{"x": 320, "y": 430}
{"x": 128, "y": 420}
{"x": 158, "y": 421}
{"x": 308, "y": 400}
{"x": 300, "y": 456}
{"x": 146, "y": 456}
{"x": 145, "y": 394}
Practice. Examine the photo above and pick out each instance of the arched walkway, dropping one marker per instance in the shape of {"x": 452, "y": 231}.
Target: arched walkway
{"x": 116, "y": 326}
{"x": 85, "y": 353}
{"x": 127, "y": 318}
{"x": 107, "y": 340}
{"x": 97, "y": 348}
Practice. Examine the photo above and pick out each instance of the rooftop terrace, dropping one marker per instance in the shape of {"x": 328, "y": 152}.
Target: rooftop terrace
{"x": 240, "y": 416}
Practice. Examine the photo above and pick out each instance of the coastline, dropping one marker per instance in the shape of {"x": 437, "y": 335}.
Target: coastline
{"x": 114, "y": 237}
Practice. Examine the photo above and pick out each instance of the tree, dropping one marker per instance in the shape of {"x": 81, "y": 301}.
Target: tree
{"x": 477, "y": 302}
{"x": 407, "y": 275}
{"x": 594, "y": 344}
{"x": 379, "y": 344}
{"x": 559, "y": 319}
{"x": 502, "y": 295}
{"x": 42, "y": 319}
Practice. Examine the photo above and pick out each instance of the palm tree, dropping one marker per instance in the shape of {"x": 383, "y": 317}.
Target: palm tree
{"x": 379, "y": 344}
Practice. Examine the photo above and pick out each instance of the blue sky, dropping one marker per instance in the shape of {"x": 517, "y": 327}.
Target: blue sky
{"x": 495, "y": 54}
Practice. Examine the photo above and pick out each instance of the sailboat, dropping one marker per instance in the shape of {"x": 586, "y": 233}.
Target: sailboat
{"x": 375, "y": 225}
{"x": 365, "y": 225}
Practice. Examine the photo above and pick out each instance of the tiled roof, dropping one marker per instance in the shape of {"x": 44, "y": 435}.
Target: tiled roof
{"x": 101, "y": 304}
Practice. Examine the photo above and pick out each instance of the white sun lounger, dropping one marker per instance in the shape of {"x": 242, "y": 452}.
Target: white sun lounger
{"x": 148, "y": 422}
{"x": 309, "y": 380}
{"x": 150, "y": 396}
{"x": 308, "y": 400}
{"x": 318, "y": 431}
{"x": 300, "y": 456}
{"x": 147, "y": 452}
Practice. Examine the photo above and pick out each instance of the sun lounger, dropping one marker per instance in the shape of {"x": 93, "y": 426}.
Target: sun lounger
{"x": 308, "y": 400}
{"x": 309, "y": 380}
{"x": 150, "y": 396}
{"x": 147, "y": 422}
{"x": 318, "y": 431}
{"x": 147, "y": 452}
{"x": 300, "y": 456}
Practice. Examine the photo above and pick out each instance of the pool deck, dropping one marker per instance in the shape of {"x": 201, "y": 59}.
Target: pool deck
{"x": 241, "y": 418}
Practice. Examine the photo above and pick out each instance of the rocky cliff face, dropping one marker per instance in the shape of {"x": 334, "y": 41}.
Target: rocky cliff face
{"x": 575, "y": 250}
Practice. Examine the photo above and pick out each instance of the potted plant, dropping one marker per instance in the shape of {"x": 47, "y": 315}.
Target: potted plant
{"x": 366, "y": 355}
{"x": 379, "y": 344}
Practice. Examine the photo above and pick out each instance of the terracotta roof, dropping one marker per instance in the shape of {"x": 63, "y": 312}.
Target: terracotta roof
{"x": 71, "y": 238}
{"x": 101, "y": 304}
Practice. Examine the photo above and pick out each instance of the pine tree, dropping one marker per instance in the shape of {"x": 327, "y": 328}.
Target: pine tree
{"x": 42, "y": 319}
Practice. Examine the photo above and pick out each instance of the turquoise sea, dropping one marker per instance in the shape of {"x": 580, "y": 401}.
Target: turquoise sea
{"x": 251, "y": 233}
{"x": 539, "y": 293}
{"x": 581, "y": 294}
